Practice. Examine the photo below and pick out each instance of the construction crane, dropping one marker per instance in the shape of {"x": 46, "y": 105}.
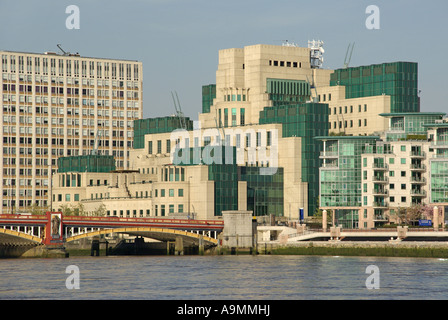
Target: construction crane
{"x": 347, "y": 62}
{"x": 179, "y": 112}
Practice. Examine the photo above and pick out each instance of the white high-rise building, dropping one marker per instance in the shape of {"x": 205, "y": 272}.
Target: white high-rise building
{"x": 56, "y": 105}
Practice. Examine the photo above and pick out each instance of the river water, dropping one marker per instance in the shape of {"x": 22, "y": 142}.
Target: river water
{"x": 262, "y": 277}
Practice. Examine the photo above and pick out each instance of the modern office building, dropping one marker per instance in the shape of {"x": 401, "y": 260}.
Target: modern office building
{"x": 56, "y": 105}
{"x": 365, "y": 180}
{"x": 265, "y": 108}
{"x": 358, "y": 95}
{"x": 262, "y": 108}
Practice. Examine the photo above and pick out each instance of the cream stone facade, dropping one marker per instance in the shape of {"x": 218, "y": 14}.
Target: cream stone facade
{"x": 57, "y": 105}
{"x": 135, "y": 194}
{"x": 242, "y": 76}
{"x": 356, "y": 116}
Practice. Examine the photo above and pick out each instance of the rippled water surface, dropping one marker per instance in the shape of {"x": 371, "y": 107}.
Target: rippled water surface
{"x": 224, "y": 277}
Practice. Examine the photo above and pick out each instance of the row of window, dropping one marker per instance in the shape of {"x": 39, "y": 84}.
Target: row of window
{"x": 248, "y": 142}
{"x": 346, "y": 124}
{"x": 293, "y": 64}
{"x": 347, "y": 109}
{"x": 65, "y": 67}
{"x": 158, "y": 211}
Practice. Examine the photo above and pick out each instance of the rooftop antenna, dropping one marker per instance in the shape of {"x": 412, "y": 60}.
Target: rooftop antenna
{"x": 286, "y": 43}
{"x": 179, "y": 112}
{"x": 347, "y": 62}
{"x": 316, "y": 53}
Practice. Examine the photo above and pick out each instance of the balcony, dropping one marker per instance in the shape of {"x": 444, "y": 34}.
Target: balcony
{"x": 418, "y": 167}
{"x": 418, "y": 180}
{"x": 380, "y": 192}
{"x": 331, "y": 165}
{"x": 418, "y": 154}
{"x": 379, "y": 217}
{"x": 418, "y": 193}
{"x": 380, "y": 204}
{"x": 439, "y": 144}
{"x": 329, "y": 154}
{"x": 380, "y": 166}
{"x": 380, "y": 179}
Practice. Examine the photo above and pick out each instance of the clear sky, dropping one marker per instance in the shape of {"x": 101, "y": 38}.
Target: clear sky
{"x": 178, "y": 40}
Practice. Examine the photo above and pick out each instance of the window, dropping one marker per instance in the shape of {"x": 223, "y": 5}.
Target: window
{"x": 391, "y": 160}
{"x": 162, "y": 192}
{"x": 403, "y": 148}
{"x": 67, "y": 197}
{"x": 392, "y": 186}
{"x": 180, "y": 192}
{"x": 392, "y": 199}
{"x": 403, "y": 199}
{"x": 168, "y": 146}
{"x": 403, "y": 160}
{"x": 403, "y": 186}
{"x": 171, "y": 192}
{"x": 403, "y": 173}
{"x": 171, "y": 208}
{"x": 180, "y": 208}
{"x": 242, "y": 116}
{"x": 391, "y": 173}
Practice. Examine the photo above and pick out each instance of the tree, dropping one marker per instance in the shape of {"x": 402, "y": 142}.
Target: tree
{"x": 100, "y": 211}
{"x": 78, "y": 209}
{"x": 66, "y": 210}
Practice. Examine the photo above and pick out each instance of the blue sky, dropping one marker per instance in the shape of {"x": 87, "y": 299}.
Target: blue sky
{"x": 178, "y": 40}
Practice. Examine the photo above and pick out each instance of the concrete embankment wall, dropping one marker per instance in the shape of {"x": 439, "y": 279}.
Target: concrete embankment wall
{"x": 345, "y": 248}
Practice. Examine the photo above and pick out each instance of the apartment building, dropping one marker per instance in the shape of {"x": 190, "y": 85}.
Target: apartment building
{"x": 365, "y": 180}
{"x": 56, "y": 105}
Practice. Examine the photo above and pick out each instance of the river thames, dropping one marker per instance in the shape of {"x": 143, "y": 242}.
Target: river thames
{"x": 262, "y": 277}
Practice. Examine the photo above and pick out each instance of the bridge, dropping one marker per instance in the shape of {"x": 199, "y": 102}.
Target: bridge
{"x": 54, "y": 229}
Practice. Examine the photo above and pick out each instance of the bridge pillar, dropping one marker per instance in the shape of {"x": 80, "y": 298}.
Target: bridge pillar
{"x": 324, "y": 220}
{"x": 436, "y": 218}
{"x": 95, "y": 248}
{"x": 201, "y": 245}
{"x": 335, "y": 233}
{"x": 179, "y": 246}
{"x": 238, "y": 229}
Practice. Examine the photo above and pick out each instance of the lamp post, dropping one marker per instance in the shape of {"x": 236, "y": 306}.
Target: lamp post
{"x": 189, "y": 192}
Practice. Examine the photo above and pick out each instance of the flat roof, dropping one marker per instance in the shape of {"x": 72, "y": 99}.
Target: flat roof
{"x": 438, "y": 125}
{"x": 68, "y": 55}
{"x": 346, "y": 137}
{"x": 397, "y": 114}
